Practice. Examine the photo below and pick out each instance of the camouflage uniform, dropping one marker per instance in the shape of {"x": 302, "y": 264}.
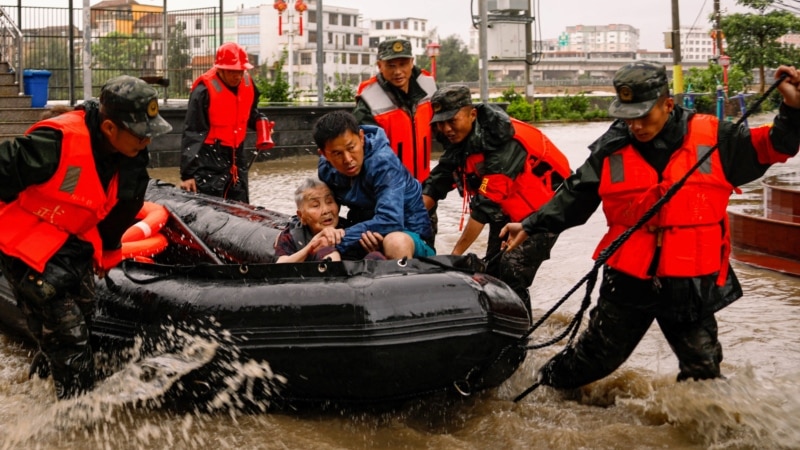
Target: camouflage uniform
{"x": 59, "y": 302}
{"x": 683, "y": 307}
{"x": 492, "y": 134}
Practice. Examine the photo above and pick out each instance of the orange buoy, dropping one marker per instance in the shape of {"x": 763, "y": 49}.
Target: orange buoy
{"x": 147, "y": 247}
{"x": 152, "y": 217}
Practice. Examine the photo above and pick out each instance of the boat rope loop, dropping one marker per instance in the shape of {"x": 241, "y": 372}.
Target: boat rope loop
{"x": 591, "y": 277}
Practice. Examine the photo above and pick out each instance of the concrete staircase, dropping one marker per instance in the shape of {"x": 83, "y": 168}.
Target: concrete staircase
{"x": 16, "y": 114}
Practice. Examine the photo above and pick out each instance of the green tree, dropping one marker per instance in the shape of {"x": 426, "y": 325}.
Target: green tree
{"x": 343, "y": 92}
{"x": 119, "y": 53}
{"x": 278, "y": 89}
{"x": 454, "y": 63}
{"x": 707, "y": 80}
{"x": 180, "y": 60}
{"x": 753, "y": 38}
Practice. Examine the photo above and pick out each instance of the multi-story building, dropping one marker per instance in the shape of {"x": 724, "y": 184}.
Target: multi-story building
{"x": 413, "y": 29}
{"x": 601, "y": 38}
{"x": 697, "y": 45}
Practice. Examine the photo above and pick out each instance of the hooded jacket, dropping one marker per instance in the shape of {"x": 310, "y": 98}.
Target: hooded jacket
{"x": 383, "y": 197}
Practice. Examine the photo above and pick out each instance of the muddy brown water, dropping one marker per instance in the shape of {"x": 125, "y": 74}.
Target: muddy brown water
{"x": 638, "y": 407}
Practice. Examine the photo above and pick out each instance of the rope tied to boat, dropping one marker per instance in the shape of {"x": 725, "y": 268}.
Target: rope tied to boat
{"x": 591, "y": 278}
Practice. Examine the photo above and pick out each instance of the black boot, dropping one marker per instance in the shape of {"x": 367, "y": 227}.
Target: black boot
{"x": 40, "y": 366}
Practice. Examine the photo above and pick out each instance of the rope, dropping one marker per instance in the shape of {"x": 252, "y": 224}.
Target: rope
{"x": 591, "y": 277}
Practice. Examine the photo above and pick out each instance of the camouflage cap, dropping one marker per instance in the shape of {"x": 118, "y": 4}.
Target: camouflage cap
{"x": 133, "y": 103}
{"x": 394, "y": 48}
{"x": 448, "y": 100}
{"x": 638, "y": 87}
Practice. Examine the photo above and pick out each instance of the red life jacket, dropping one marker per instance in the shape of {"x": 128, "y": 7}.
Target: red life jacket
{"x": 691, "y": 229}
{"x": 228, "y": 113}
{"x": 72, "y": 202}
{"x": 409, "y": 137}
{"x": 544, "y": 170}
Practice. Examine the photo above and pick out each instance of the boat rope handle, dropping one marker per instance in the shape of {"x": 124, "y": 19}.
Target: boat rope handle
{"x": 604, "y": 255}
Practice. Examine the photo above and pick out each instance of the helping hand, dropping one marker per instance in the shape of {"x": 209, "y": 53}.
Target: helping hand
{"x": 790, "y": 88}
{"x": 371, "y": 241}
{"x": 516, "y": 235}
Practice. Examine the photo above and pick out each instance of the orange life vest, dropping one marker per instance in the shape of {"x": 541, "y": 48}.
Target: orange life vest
{"x": 409, "y": 137}
{"x": 72, "y": 202}
{"x": 228, "y": 113}
{"x": 544, "y": 170}
{"x": 691, "y": 229}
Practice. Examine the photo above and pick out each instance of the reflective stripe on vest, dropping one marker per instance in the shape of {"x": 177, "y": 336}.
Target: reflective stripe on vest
{"x": 228, "y": 113}
{"x": 544, "y": 170}
{"x": 690, "y": 230}
{"x": 409, "y": 137}
{"x": 72, "y": 202}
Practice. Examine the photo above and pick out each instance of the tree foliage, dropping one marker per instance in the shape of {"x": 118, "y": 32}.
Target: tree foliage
{"x": 119, "y": 53}
{"x": 753, "y": 38}
{"x": 276, "y": 90}
{"x": 180, "y": 59}
{"x": 454, "y": 63}
{"x": 343, "y": 92}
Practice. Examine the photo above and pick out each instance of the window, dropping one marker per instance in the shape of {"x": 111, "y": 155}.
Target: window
{"x": 346, "y": 20}
{"x": 378, "y": 25}
{"x": 249, "y": 20}
{"x": 198, "y": 24}
{"x": 330, "y": 38}
{"x": 347, "y": 39}
{"x": 305, "y": 58}
{"x": 312, "y": 16}
{"x": 354, "y": 58}
{"x": 397, "y": 24}
{"x": 312, "y": 36}
{"x": 365, "y": 59}
{"x": 196, "y": 42}
{"x": 359, "y": 39}
{"x": 416, "y": 26}
{"x": 333, "y": 19}
{"x": 248, "y": 39}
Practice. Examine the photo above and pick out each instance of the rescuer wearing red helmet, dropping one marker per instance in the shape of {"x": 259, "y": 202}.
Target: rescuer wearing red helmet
{"x": 222, "y": 106}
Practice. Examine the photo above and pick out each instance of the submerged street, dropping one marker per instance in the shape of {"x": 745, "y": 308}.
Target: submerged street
{"x": 640, "y": 406}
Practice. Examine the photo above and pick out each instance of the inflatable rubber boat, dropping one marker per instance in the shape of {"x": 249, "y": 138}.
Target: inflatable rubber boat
{"x": 338, "y": 332}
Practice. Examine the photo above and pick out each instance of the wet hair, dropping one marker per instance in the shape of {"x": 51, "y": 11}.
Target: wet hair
{"x": 308, "y": 183}
{"x": 332, "y": 125}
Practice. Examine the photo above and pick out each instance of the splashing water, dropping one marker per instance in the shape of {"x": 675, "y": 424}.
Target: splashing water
{"x": 195, "y": 368}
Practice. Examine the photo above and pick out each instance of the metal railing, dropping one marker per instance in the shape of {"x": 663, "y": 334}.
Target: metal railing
{"x": 11, "y": 46}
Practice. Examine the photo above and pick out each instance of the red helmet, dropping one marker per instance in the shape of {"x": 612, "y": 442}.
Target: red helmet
{"x": 230, "y": 56}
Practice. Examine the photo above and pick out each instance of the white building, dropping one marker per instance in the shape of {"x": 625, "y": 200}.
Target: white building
{"x": 412, "y": 29}
{"x": 697, "y": 45}
{"x": 600, "y": 38}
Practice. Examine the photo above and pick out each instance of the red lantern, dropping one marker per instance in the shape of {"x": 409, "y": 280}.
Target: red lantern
{"x": 281, "y": 6}
{"x": 300, "y": 7}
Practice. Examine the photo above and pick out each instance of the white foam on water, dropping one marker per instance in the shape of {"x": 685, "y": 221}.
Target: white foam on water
{"x": 744, "y": 410}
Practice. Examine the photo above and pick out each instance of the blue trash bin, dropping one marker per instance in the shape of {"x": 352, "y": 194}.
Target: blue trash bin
{"x": 34, "y": 82}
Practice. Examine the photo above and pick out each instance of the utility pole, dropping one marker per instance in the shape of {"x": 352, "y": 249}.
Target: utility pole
{"x": 320, "y": 58}
{"x": 718, "y": 29}
{"x": 484, "y": 49}
{"x": 677, "y": 70}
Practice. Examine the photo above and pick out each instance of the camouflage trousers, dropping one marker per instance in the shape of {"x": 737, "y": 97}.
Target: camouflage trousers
{"x": 612, "y": 335}
{"x": 518, "y": 267}
{"x": 58, "y": 305}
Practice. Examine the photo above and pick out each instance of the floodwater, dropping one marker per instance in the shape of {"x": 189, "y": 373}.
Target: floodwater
{"x": 640, "y": 406}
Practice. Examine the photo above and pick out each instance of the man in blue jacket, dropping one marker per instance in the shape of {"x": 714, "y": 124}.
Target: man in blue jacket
{"x": 384, "y": 200}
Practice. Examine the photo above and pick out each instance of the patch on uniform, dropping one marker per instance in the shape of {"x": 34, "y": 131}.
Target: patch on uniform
{"x": 70, "y": 181}
{"x": 152, "y": 108}
{"x": 484, "y": 185}
{"x": 625, "y": 94}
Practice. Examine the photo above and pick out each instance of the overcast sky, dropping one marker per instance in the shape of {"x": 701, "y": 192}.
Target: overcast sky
{"x": 651, "y": 17}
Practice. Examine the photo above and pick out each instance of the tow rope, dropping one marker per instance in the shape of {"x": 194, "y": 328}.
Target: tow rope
{"x": 591, "y": 277}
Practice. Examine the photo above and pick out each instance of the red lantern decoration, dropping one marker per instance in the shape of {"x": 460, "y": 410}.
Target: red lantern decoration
{"x": 300, "y": 7}
{"x": 281, "y": 6}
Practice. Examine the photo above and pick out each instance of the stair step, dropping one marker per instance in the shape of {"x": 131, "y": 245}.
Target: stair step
{"x": 9, "y": 90}
{"x": 8, "y": 78}
{"x": 19, "y": 101}
{"x": 28, "y": 114}
{"x": 14, "y": 128}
